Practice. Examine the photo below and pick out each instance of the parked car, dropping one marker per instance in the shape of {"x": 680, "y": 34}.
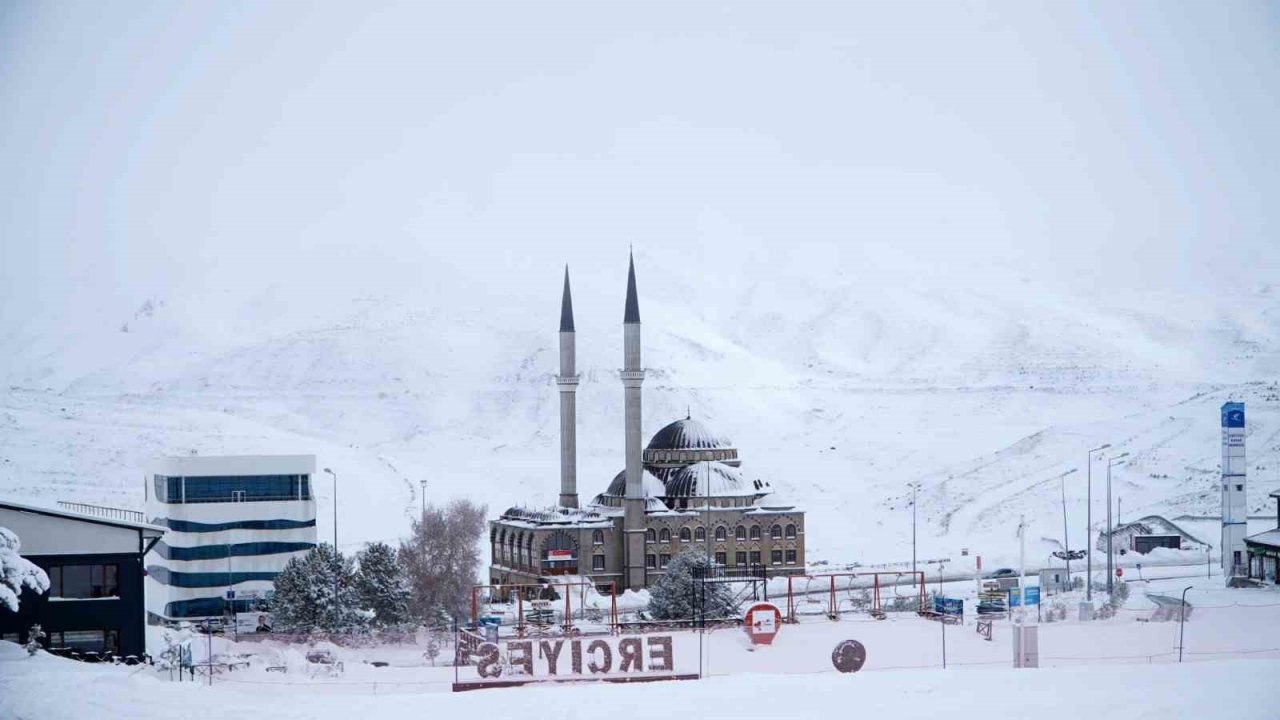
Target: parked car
{"x": 1004, "y": 572}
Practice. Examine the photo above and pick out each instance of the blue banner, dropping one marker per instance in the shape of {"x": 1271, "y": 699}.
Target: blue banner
{"x": 948, "y": 606}
{"x": 1233, "y": 415}
{"x": 1033, "y": 596}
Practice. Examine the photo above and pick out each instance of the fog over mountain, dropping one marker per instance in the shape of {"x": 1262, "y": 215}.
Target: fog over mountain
{"x": 870, "y": 250}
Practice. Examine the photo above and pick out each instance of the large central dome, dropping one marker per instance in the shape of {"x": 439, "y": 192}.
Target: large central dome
{"x": 688, "y": 434}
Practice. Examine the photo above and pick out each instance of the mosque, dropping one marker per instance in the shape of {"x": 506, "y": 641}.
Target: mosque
{"x": 685, "y": 488}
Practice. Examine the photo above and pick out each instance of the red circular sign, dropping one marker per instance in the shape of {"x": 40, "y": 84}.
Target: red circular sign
{"x": 1119, "y": 572}
{"x": 761, "y": 622}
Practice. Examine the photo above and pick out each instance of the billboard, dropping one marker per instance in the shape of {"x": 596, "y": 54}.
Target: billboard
{"x": 633, "y": 658}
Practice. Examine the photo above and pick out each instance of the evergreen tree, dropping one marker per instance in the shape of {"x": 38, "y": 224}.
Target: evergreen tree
{"x": 672, "y": 597}
{"x": 304, "y": 595}
{"x": 441, "y": 557}
{"x": 382, "y": 585}
{"x": 16, "y": 572}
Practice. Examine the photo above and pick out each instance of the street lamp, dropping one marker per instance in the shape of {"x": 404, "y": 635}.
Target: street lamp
{"x": 1117, "y": 460}
{"x": 424, "y": 497}
{"x": 1182, "y": 617}
{"x": 1066, "y": 546}
{"x": 914, "y": 487}
{"x": 1088, "y": 527}
{"x": 337, "y": 570}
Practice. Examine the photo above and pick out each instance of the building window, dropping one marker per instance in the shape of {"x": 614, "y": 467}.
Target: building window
{"x": 740, "y": 533}
{"x": 700, "y": 534}
{"x": 232, "y": 488}
{"x": 664, "y": 536}
{"x": 755, "y": 532}
{"x": 84, "y": 581}
{"x": 721, "y": 534}
{"x": 650, "y": 535}
{"x": 722, "y": 559}
{"x": 791, "y": 557}
{"x": 663, "y": 560}
{"x": 597, "y": 562}
{"x": 1239, "y": 487}
{"x": 791, "y": 532}
{"x": 86, "y": 640}
{"x": 775, "y": 557}
{"x": 755, "y": 557}
{"x": 775, "y": 532}
{"x": 597, "y": 537}
{"x": 740, "y": 558}
{"x": 684, "y": 534}
{"x": 651, "y": 561}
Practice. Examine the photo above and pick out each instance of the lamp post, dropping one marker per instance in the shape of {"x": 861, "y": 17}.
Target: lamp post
{"x": 914, "y": 487}
{"x": 337, "y": 569}
{"x": 1182, "y": 617}
{"x": 1117, "y": 460}
{"x": 424, "y": 497}
{"x": 1088, "y": 527}
{"x": 1066, "y": 546}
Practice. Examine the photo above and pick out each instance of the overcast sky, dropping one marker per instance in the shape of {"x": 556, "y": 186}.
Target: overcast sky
{"x": 177, "y": 147}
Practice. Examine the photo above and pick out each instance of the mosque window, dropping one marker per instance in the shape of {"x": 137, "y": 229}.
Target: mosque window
{"x": 755, "y": 532}
{"x": 722, "y": 559}
{"x": 775, "y": 557}
{"x": 775, "y": 532}
{"x": 685, "y": 536}
{"x": 597, "y": 562}
{"x": 597, "y": 537}
{"x": 791, "y": 532}
{"x": 700, "y": 534}
{"x": 651, "y": 561}
{"x": 650, "y": 535}
{"x": 740, "y": 558}
{"x": 664, "y": 536}
{"x": 740, "y": 533}
{"x": 664, "y": 559}
{"x": 791, "y": 557}
{"x": 721, "y": 534}
{"x": 755, "y": 557}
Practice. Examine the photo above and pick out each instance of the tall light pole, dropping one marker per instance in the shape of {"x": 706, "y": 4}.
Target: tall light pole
{"x": 1088, "y": 527}
{"x": 337, "y": 569}
{"x": 1117, "y": 460}
{"x": 914, "y": 487}
{"x": 1182, "y": 617}
{"x": 424, "y": 497}
{"x": 1066, "y": 546}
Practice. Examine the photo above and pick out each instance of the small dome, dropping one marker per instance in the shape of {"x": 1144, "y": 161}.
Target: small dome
{"x": 651, "y": 486}
{"x": 712, "y": 479}
{"x": 688, "y": 434}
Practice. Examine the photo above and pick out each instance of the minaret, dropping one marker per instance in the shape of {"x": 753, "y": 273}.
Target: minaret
{"x": 632, "y": 377}
{"x": 568, "y": 383}
{"x": 1234, "y": 508}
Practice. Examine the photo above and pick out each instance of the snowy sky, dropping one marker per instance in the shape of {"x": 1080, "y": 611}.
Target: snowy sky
{"x": 186, "y": 147}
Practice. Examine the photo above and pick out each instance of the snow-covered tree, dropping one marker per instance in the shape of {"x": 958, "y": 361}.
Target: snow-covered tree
{"x": 382, "y": 584}
{"x": 672, "y": 597}
{"x": 304, "y": 596}
{"x": 16, "y": 572}
{"x": 441, "y": 557}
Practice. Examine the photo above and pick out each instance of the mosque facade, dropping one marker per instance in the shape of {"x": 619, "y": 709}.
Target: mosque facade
{"x": 684, "y": 489}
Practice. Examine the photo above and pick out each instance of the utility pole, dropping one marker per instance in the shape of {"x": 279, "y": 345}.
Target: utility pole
{"x": 914, "y": 487}
{"x": 1088, "y": 527}
{"x": 337, "y": 564}
{"x": 1066, "y": 545}
{"x": 1022, "y": 568}
{"x": 1182, "y": 617}
{"x": 1117, "y": 460}
{"x": 424, "y": 497}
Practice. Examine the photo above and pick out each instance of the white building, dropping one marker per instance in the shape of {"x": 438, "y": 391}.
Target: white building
{"x": 233, "y": 523}
{"x": 1234, "y": 490}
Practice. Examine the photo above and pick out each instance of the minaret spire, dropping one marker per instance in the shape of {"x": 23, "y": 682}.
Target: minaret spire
{"x": 632, "y": 377}
{"x": 567, "y": 381}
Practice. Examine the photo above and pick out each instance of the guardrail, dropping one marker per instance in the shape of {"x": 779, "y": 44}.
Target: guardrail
{"x": 103, "y": 511}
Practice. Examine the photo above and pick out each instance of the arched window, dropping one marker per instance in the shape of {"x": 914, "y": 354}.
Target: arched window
{"x": 664, "y": 536}
{"x": 597, "y": 537}
{"x": 740, "y": 532}
{"x": 519, "y": 549}
{"x": 650, "y": 535}
{"x": 791, "y": 532}
{"x": 684, "y": 535}
{"x": 775, "y": 532}
{"x": 700, "y": 534}
{"x": 755, "y": 532}
{"x": 721, "y": 534}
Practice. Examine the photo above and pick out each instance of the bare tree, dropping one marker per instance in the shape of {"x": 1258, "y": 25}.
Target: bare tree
{"x": 441, "y": 556}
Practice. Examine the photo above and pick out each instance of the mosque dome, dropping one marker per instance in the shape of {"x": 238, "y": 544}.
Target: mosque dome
{"x": 650, "y": 486}
{"x": 710, "y": 479}
{"x": 688, "y": 434}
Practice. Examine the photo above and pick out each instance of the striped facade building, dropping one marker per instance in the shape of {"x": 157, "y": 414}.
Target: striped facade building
{"x": 233, "y": 523}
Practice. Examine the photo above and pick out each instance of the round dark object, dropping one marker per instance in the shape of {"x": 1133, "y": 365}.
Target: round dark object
{"x": 849, "y": 656}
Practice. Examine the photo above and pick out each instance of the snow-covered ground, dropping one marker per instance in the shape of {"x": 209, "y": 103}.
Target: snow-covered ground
{"x": 1230, "y": 641}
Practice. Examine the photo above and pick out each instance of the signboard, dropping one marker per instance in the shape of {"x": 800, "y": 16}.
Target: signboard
{"x": 849, "y": 656}
{"x": 948, "y": 606}
{"x": 611, "y": 659}
{"x": 1033, "y": 596}
{"x": 559, "y": 554}
{"x": 761, "y": 623}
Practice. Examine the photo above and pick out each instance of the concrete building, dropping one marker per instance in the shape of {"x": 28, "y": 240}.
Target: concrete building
{"x": 1234, "y": 487}
{"x": 1148, "y": 533}
{"x": 233, "y": 522}
{"x": 94, "y": 560}
{"x": 685, "y": 488}
{"x": 1264, "y": 551}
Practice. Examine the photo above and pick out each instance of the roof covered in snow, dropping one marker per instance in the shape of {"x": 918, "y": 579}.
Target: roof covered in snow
{"x": 710, "y": 479}
{"x": 688, "y": 434}
{"x": 1270, "y": 537}
{"x": 651, "y": 486}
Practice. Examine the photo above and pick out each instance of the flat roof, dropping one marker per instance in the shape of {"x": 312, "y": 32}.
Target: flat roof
{"x": 198, "y": 465}
{"x": 84, "y": 517}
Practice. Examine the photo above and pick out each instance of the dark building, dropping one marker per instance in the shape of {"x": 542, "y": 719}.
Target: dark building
{"x": 94, "y": 561}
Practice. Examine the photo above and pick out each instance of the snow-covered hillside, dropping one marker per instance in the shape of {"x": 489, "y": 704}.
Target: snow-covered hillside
{"x": 840, "y": 384}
